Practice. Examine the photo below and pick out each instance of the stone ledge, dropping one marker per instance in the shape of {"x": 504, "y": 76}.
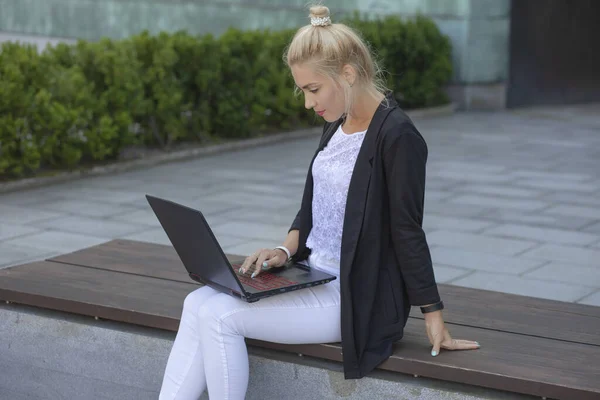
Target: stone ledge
{"x": 129, "y": 363}
{"x": 181, "y": 155}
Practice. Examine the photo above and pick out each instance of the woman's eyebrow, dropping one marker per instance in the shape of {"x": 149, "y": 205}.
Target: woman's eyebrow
{"x": 307, "y": 85}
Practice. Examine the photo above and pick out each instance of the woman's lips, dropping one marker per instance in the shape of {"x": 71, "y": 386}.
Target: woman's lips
{"x": 321, "y": 112}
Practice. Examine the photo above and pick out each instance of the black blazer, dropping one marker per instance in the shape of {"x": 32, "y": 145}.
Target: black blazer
{"x": 385, "y": 265}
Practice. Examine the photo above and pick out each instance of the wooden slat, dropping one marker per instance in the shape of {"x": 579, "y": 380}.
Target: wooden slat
{"x": 107, "y": 294}
{"x": 133, "y": 257}
{"x": 519, "y": 314}
{"x": 519, "y": 363}
{"x": 464, "y": 306}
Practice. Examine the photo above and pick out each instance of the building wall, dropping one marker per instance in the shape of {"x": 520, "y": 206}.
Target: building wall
{"x": 478, "y": 29}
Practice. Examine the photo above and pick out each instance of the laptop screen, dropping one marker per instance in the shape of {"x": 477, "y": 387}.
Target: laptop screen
{"x": 194, "y": 242}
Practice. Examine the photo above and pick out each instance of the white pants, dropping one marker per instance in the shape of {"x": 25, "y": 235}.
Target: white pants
{"x": 210, "y": 351}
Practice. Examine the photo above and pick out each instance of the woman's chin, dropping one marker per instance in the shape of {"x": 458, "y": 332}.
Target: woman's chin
{"x": 327, "y": 117}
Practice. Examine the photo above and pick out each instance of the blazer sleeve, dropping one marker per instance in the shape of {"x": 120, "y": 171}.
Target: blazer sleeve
{"x": 296, "y": 222}
{"x": 404, "y": 163}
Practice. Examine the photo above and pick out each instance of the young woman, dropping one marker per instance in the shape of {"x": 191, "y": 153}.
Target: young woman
{"x": 360, "y": 219}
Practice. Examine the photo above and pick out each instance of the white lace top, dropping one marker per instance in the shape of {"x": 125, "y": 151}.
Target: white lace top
{"x": 332, "y": 170}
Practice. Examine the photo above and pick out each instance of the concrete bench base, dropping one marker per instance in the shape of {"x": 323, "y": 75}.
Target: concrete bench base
{"x": 54, "y": 355}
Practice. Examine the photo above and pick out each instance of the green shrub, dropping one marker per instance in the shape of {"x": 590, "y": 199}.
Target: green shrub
{"x": 77, "y": 104}
{"x": 20, "y": 77}
{"x": 416, "y": 57}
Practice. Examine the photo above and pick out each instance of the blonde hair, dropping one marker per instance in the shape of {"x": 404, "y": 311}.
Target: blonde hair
{"x": 328, "y": 47}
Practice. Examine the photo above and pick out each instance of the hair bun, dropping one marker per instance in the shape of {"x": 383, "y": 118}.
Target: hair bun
{"x": 319, "y": 16}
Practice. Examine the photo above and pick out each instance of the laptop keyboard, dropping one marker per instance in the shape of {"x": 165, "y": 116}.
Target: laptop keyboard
{"x": 265, "y": 281}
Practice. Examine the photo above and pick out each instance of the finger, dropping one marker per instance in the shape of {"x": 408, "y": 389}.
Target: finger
{"x": 437, "y": 344}
{"x": 251, "y": 259}
{"x": 244, "y": 265}
{"x": 456, "y": 344}
{"x": 429, "y": 336}
{"x": 274, "y": 260}
{"x": 260, "y": 263}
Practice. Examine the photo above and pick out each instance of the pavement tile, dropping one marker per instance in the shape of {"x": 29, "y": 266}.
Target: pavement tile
{"x": 434, "y": 183}
{"x": 30, "y": 196}
{"x": 93, "y": 227}
{"x": 154, "y": 235}
{"x": 103, "y": 195}
{"x": 480, "y": 261}
{"x": 257, "y": 200}
{"x": 543, "y": 234}
{"x": 435, "y": 222}
{"x": 445, "y": 273}
{"x": 552, "y": 184}
{"x": 567, "y": 273}
{"x": 570, "y": 198}
{"x": 271, "y": 189}
{"x": 252, "y": 230}
{"x": 86, "y": 208}
{"x": 591, "y": 300}
{"x": 569, "y": 254}
{"x": 143, "y": 216}
{"x": 278, "y": 217}
{"x": 537, "y": 219}
{"x": 121, "y": 182}
{"x": 500, "y": 202}
{"x": 498, "y": 190}
{"x": 62, "y": 242}
{"x": 11, "y": 254}
{"x": 8, "y": 231}
{"x": 249, "y": 247}
{"x": 454, "y": 209}
{"x": 576, "y": 211}
{"x": 462, "y": 166}
{"x": 592, "y": 228}
{"x": 25, "y": 215}
{"x": 466, "y": 176}
{"x": 524, "y": 286}
{"x": 482, "y": 243}
{"x": 551, "y": 175}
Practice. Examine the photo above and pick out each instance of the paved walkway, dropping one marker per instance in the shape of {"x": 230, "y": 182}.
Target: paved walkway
{"x": 512, "y": 202}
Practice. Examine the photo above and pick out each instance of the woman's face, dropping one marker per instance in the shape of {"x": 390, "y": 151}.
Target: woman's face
{"x": 321, "y": 93}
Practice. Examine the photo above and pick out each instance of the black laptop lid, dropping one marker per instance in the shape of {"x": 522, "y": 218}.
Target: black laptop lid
{"x": 194, "y": 242}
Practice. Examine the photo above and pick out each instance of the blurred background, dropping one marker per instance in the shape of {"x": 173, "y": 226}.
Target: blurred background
{"x": 504, "y": 53}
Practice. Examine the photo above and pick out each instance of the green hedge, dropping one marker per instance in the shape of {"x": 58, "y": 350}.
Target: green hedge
{"x": 75, "y": 105}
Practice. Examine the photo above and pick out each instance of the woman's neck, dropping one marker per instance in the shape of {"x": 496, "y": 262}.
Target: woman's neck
{"x": 363, "y": 110}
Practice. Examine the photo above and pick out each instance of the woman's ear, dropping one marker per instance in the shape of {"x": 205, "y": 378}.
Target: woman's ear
{"x": 349, "y": 74}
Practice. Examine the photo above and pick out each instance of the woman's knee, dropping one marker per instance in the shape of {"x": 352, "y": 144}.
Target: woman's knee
{"x": 194, "y": 300}
{"x": 218, "y": 308}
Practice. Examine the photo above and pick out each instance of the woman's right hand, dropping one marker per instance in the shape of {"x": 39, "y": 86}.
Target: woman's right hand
{"x": 262, "y": 260}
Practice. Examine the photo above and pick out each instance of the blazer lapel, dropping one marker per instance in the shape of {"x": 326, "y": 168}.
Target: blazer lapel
{"x": 358, "y": 190}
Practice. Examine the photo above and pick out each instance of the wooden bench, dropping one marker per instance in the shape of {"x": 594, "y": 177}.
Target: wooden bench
{"x": 530, "y": 346}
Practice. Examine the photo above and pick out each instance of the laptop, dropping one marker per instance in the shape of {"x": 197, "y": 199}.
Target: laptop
{"x": 206, "y": 263}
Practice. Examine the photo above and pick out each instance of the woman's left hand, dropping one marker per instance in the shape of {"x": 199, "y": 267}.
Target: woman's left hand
{"x": 440, "y": 338}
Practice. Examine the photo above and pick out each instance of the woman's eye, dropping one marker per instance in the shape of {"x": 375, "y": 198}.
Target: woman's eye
{"x": 314, "y": 90}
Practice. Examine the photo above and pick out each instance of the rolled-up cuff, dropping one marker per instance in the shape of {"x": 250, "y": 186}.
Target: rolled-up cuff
{"x": 425, "y": 296}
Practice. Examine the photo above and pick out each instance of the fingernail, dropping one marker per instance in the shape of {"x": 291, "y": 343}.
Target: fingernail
{"x": 264, "y": 267}
{"x": 253, "y": 275}
{"x": 240, "y": 270}
{"x": 265, "y": 264}
{"x": 477, "y": 343}
{"x": 433, "y": 353}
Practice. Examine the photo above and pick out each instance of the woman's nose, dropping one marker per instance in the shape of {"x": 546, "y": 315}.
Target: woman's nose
{"x": 309, "y": 103}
